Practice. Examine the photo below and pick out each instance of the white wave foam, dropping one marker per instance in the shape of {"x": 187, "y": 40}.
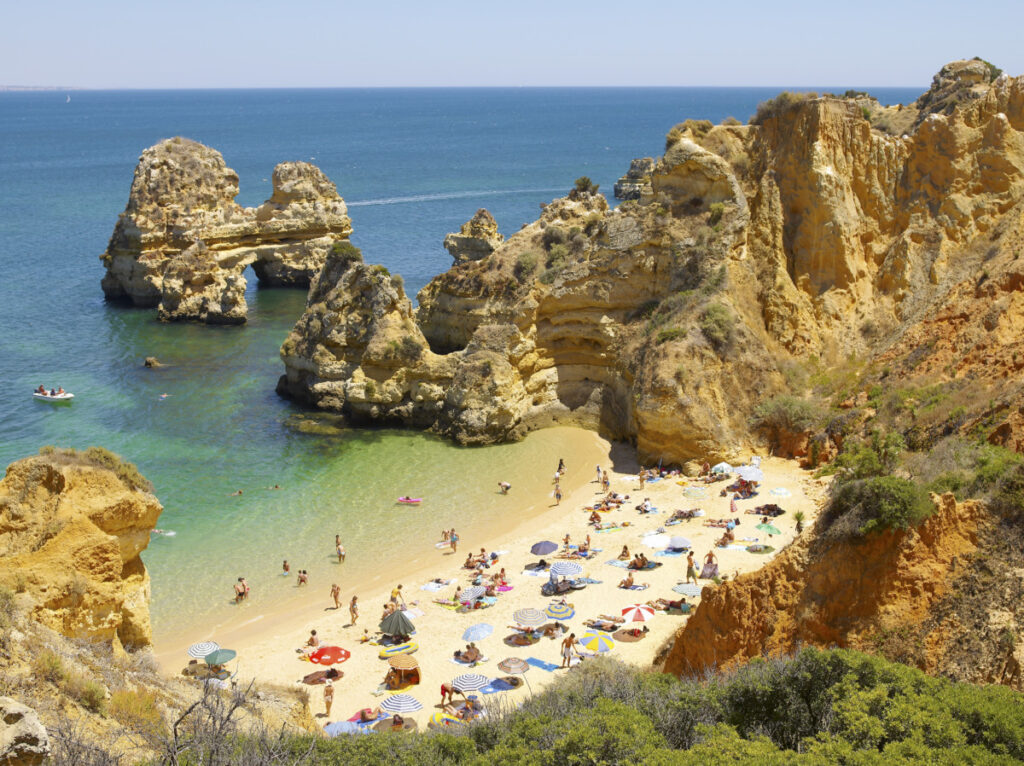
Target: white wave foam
{"x": 446, "y": 195}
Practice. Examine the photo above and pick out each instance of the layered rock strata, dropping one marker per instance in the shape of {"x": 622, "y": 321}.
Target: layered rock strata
{"x": 71, "y": 531}
{"x": 637, "y": 180}
{"x": 478, "y": 238}
{"x": 183, "y": 243}
{"x": 666, "y": 320}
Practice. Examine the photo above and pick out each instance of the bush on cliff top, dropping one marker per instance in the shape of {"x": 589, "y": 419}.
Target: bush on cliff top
{"x": 100, "y": 457}
{"x": 816, "y": 707}
{"x": 863, "y": 506}
{"x": 773, "y": 107}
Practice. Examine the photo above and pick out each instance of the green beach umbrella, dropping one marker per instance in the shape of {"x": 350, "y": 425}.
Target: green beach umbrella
{"x": 397, "y": 624}
{"x": 220, "y": 656}
{"x": 768, "y": 529}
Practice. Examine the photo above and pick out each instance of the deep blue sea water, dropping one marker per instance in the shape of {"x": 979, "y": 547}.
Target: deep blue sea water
{"x": 411, "y": 164}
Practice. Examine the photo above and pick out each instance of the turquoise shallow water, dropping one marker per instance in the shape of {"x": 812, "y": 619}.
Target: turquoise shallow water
{"x": 413, "y": 165}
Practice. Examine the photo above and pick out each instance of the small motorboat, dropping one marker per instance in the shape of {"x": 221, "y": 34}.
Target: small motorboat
{"x": 410, "y": 500}
{"x": 65, "y": 397}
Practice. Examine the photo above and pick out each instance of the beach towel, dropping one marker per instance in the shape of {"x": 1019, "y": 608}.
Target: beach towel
{"x": 355, "y": 719}
{"x": 535, "y": 573}
{"x": 651, "y": 481}
{"x": 412, "y": 614}
{"x": 588, "y": 580}
{"x": 609, "y": 529}
{"x": 548, "y": 666}
{"x": 433, "y": 586}
{"x": 617, "y": 563}
{"x": 673, "y": 522}
{"x": 749, "y": 539}
{"x": 468, "y": 664}
{"x": 496, "y": 685}
{"x": 736, "y": 547}
{"x": 709, "y": 571}
{"x": 635, "y": 587}
{"x": 504, "y": 588}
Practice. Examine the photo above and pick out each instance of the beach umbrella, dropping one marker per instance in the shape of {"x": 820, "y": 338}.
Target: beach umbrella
{"x": 597, "y": 642}
{"x": 515, "y": 666}
{"x": 220, "y": 656}
{"x": 678, "y": 542}
{"x": 750, "y": 473}
{"x": 401, "y": 703}
{"x": 397, "y": 624}
{"x": 780, "y": 492}
{"x": 566, "y": 568}
{"x": 338, "y": 728}
{"x": 531, "y": 618}
{"x": 560, "y": 612}
{"x": 721, "y": 468}
{"x": 328, "y": 655}
{"x": 476, "y": 632}
{"x": 543, "y": 548}
{"x": 469, "y": 682}
{"x": 403, "y": 662}
{"x": 769, "y": 529}
{"x": 203, "y": 648}
{"x": 655, "y": 541}
{"x": 638, "y": 613}
{"x": 473, "y": 593}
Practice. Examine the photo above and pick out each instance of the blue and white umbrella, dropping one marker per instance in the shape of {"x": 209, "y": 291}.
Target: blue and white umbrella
{"x": 721, "y": 468}
{"x": 543, "y": 548}
{"x": 203, "y": 648}
{"x": 565, "y": 568}
{"x": 470, "y": 682}
{"x": 477, "y": 632}
{"x": 749, "y": 473}
{"x": 472, "y": 594}
{"x": 560, "y": 612}
{"x": 338, "y": 728}
{"x": 401, "y": 703}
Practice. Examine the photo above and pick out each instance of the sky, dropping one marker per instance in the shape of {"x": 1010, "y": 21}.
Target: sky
{"x": 319, "y": 43}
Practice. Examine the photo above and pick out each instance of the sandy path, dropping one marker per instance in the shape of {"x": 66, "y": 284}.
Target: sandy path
{"x": 267, "y": 649}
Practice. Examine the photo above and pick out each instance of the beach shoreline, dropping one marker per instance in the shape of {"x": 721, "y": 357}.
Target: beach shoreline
{"x": 267, "y": 642}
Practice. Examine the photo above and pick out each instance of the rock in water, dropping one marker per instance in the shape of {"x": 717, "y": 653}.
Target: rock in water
{"x": 477, "y": 238}
{"x": 183, "y": 243}
{"x": 23, "y": 739}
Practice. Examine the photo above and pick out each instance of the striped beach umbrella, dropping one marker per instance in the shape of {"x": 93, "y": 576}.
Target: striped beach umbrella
{"x": 401, "y": 703}
{"x": 403, "y": 662}
{"x": 595, "y": 642}
{"x": 472, "y": 594}
{"x": 565, "y": 568}
{"x": 638, "y": 613}
{"x": 560, "y": 612}
{"x": 470, "y": 682}
{"x": 477, "y": 632}
{"x": 203, "y": 648}
{"x": 531, "y": 618}
{"x": 513, "y": 665}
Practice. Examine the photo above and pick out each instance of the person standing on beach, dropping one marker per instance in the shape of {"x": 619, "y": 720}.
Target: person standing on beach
{"x": 606, "y": 482}
{"x": 353, "y": 609}
{"x": 558, "y": 493}
{"x": 691, "y": 568}
{"x": 339, "y": 548}
{"x": 336, "y": 596}
{"x": 561, "y": 466}
{"x": 454, "y": 540}
{"x": 396, "y": 596}
{"x": 285, "y": 569}
{"x": 599, "y": 474}
{"x": 303, "y": 578}
{"x": 567, "y": 647}
{"x": 328, "y": 698}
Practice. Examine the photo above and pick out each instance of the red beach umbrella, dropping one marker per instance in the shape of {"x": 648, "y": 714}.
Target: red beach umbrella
{"x": 638, "y": 613}
{"x": 328, "y": 655}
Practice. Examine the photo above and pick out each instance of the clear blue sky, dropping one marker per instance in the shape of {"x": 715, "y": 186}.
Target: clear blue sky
{"x": 319, "y": 43}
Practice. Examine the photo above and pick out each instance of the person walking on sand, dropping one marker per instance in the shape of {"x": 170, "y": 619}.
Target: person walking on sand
{"x": 561, "y": 466}
{"x": 558, "y": 493}
{"x": 339, "y": 548}
{"x": 328, "y": 698}
{"x": 285, "y": 569}
{"x": 691, "y": 569}
{"x": 336, "y": 595}
{"x": 396, "y": 596}
{"x": 353, "y": 609}
{"x": 454, "y": 540}
{"x": 568, "y": 644}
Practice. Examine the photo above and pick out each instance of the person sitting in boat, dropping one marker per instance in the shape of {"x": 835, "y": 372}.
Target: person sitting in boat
{"x": 53, "y": 392}
{"x": 60, "y": 390}
{"x": 41, "y": 390}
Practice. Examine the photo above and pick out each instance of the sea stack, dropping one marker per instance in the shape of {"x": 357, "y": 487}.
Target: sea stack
{"x": 477, "y": 238}
{"x": 183, "y": 243}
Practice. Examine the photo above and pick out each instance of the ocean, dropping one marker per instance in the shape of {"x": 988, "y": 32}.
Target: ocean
{"x": 412, "y": 164}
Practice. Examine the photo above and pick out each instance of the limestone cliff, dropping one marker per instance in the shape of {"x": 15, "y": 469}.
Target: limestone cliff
{"x": 907, "y": 593}
{"x": 183, "y": 243}
{"x": 477, "y": 238}
{"x": 72, "y": 526}
{"x": 814, "y": 231}
{"x": 637, "y": 180}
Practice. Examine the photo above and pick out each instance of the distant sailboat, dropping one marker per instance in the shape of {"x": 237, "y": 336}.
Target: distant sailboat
{"x": 68, "y": 100}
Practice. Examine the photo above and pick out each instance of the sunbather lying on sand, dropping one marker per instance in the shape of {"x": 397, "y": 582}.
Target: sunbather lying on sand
{"x": 664, "y": 603}
{"x": 607, "y": 625}
{"x": 366, "y": 715}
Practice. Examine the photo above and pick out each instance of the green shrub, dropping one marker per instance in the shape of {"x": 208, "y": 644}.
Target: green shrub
{"x": 47, "y": 666}
{"x": 583, "y": 185}
{"x": 670, "y": 334}
{"x": 346, "y": 252}
{"x": 878, "y": 503}
{"x": 90, "y": 694}
{"x": 876, "y": 456}
{"x": 548, "y": 276}
{"x": 717, "y": 210}
{"x": 557, "y": 256}
{"x": 993, "y": 70}
{"x": 773, "y": 107}
{"x": 398, "y": 282}
{"x": 526, "y": 265}
{"x": 718, "y": 323}
{"x": 370, "y": 387}
{"x": 411, "y": 348}
{"x": 785, "y": 414}
{"x": 553, "y": 235}
{"x": 731, "y": 121}
{"x": 137, "y": 711}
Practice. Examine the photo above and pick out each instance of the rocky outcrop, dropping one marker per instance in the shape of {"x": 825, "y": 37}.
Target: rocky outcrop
{"x": 183, "y": 243}
{"x": 23, "y": 738}
{"x": 809, "y": 233}
{"x": 72, "y": 526}
{"x": 477, "y": 238}
{"x": 850, "y": 593}
{"x": 637, "y": 180}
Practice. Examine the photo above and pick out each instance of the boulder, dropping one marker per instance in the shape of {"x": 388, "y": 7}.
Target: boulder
{"x": 23, "y": 739}
{"x": 477, "y": 238}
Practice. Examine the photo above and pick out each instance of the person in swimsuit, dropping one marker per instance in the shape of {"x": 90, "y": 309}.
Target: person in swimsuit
{"x": 353, "y": 609}
{"x": 691, "y": 568}
{"x": 239, "y": 590}
{"x": 567, "y": 646}
{"x": 328, "y": 698}
{"x": 336, "y": 595}
{"x": 285, "y": 569}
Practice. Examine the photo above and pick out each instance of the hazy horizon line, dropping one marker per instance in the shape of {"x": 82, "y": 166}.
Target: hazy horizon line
{"x": 79, "y": 88}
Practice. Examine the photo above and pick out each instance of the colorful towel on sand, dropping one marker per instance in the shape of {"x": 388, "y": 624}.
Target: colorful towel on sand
{"x": 736, "y": 547}
{"x": 548, "y": 666}
{"x": 609, "y": 529}
{"x": 685, "y": 589}
{"x": 504, "y": 588}
{"x": 617, "y": 563}
{"x": 635, "y": 587}
{"x": 355, "y": 719}
{"x": 709, "y": 571}
{"x": 651, "y": 481}
{"x": 412, "y": 614}
{"x": 496, "y": 685}
{"x": 588, "y": 580}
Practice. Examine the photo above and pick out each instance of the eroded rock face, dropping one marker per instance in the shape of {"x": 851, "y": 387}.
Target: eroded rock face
{"x": 477, "y": 238}
{"x": 637, "y": 180}
{"x": 23, "y": 738}
{"x": 667, "y": 320}
{"x": 71, "y": 533}
{"x": 183, "y": 242}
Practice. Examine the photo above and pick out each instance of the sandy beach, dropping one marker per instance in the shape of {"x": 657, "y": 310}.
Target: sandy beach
{"x": 267, "y": 643}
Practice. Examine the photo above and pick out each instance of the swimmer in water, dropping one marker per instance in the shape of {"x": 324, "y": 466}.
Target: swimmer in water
{"x": 235, "y": 493}
{"x": 285, "y": 568}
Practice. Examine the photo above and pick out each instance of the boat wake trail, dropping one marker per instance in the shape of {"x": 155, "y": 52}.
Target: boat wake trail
{"x": 446, "y": 195}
